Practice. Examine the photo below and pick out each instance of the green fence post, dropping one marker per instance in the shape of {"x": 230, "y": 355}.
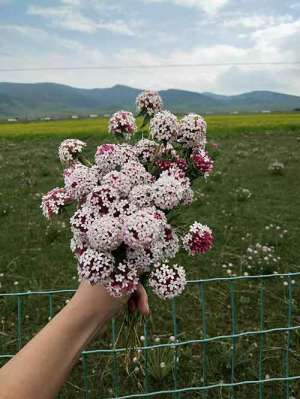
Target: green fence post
{"x": 201, "y": 286}
{"x": 146, "y": 378}
{"x": 115, "y": 371}
{"x": 19, "y": 321}
{"x": 85, "y": 376}
{"x": 234, "y": 331}
{"x": 175, "y": 333}
{"x": 261, "y": 337}
{"x": 288, "y": 339}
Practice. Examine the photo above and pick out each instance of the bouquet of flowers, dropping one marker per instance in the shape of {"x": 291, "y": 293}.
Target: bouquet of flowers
{"x": 123, "y": 226}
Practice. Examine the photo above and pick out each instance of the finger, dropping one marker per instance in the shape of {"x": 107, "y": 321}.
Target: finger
{"x": 142, "y": 301}
{"x": 132, "y": 305}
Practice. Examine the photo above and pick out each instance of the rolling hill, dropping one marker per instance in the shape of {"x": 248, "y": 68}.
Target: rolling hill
{"x": 31, "y": 101}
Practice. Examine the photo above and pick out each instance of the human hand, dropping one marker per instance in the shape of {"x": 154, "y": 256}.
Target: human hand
{"x": 96, "y": 300}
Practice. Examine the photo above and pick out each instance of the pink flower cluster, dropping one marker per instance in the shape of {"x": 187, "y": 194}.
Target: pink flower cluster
{"x": 202, "y": 162}
{"x": 198, "y": 240}
{"x": 121, "y": 226}
{"x": 122, "y": 122}
{"x": 149, "y": 102}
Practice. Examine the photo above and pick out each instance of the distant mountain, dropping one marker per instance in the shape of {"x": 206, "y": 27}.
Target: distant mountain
{"x": 49, "y": 99}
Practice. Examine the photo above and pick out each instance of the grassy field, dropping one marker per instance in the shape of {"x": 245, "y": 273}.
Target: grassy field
{"x": 35, "y": 256}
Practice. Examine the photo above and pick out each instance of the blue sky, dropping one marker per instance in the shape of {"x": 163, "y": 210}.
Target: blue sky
{"x": 63, "y": 33}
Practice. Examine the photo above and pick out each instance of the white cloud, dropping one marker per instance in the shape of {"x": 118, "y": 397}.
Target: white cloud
{"x": 68, "y": 16}
{"x": 256, "y": 21}
{"x": 211, "y": 7}
{"x": 275, "y": 35}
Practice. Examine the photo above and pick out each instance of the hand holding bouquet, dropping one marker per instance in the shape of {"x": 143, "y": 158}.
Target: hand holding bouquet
{"x": 122, "y": 230}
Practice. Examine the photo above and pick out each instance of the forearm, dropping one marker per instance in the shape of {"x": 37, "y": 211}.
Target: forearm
{"x": 41, "y": 367}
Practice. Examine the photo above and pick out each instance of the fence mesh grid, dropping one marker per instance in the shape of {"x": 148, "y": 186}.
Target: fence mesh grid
{"x": 205, "y": 386}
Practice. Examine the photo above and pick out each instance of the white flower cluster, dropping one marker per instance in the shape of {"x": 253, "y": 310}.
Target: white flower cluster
{"x": 260, "y": 259}
{"x": 167, "y": 281}
{"x": 276, "y": 168}
{"x": 122, "y": 122}
{"x": 146, "y": 150}
{"x": 120, "y": 227}
{"x": 80, "y": 180}
{"x": 149, "y": 102}
{"x": 192, "y": 131}
{"x": 53, "y": 201}
{"x": 69, "y": 150}
{"x": 164, "y": 126}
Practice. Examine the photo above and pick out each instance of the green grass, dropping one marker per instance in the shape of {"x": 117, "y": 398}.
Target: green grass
{"x": 217, "y": 124}
{"x": 35, "y": 254}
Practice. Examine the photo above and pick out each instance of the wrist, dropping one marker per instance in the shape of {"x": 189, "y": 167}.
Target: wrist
{"x": 96, "y": 302}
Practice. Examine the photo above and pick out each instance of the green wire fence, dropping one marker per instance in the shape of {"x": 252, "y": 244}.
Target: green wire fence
{"x": 260, "y": 362}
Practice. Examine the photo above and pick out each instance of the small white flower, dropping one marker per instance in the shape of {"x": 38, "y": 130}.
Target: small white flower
{"x": 162, "y": 365}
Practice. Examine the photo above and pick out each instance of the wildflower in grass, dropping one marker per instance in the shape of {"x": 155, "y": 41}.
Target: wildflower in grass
{"x": 192, "y": 131}
{"x": 198, "y": 240}
{"x": 260, "y": 259}
{"x": 167, "y": 281}
{"x": 123, "y": 280}
{"x": 69, "y": 150}
{"x": 149, "y": 102}
{"x": 122, "y": 122}
{"x": 95, "y": 266}
{"x": 242, "y": 194}
{"x": 164, "y": 126}
{"x": 202, "y": 162}
{"x": 141, "y": 229}
{"x": 54, "y": 201}
{"x": 104, "y": 233}
{"x": 276, "y": 168}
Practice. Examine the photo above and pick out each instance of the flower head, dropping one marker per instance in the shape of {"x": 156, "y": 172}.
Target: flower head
{"x": 146, "y": 150}
{"x": 167, "y": 281}
{"x": 102, "y": 198}
{"x": 167, "y": 192}
{"x": 95, "y": 266}
{"x": 149, "y": 102}
{"x": 54, "y": 201}
{"x": 141, "y": 195}
{"x": 164, "y": 126}
{"x": 199, "y": 239}
{"x": 80, "y": 180}
{"x": 122, "y": 122}
{"x": 123, "y": 280}
{"x": 192, "y": 131}
{"x": 202, "y": 162}
{"x": 136, "y": 173}
{"x": 141, "y": 229}
{"x": 167, "y": 246}
{"x": 104, "y": 233}
{"x": 69, "y": 150}
{"x": 81, "y": 220}
{"x": 118, "y": 181}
